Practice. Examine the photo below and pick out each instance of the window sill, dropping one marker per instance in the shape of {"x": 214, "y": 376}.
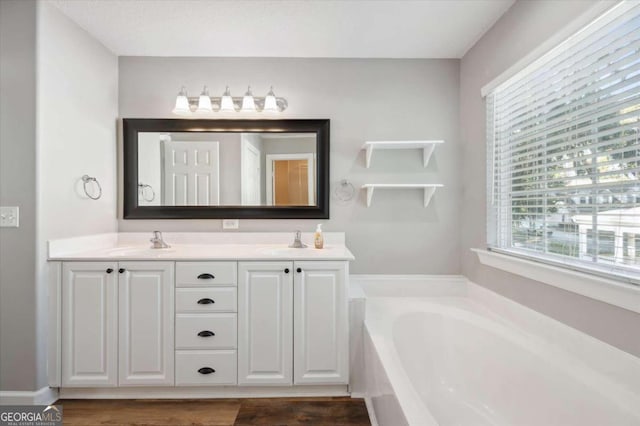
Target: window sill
{"x": 625, "y": 296}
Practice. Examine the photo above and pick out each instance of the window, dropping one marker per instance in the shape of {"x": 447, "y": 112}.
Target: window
{"x": 564, "y": 152}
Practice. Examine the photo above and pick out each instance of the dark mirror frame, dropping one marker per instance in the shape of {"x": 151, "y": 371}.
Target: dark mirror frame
{"x": 133, "y": 126}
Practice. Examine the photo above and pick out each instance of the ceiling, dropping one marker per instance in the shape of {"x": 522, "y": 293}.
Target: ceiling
{"x": 287, "y": 28}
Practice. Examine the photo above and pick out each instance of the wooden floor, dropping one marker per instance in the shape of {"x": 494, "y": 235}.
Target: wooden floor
{"x": 222, "y": 412}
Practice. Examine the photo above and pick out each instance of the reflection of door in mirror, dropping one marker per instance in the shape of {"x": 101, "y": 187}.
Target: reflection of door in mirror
{"x": 251, "y": 180}
{"x": 291, "y": 182}
{"x": 190, "y": 173}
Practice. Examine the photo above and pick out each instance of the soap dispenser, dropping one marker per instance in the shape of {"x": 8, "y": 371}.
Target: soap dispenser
{"x": 318, "y": 239}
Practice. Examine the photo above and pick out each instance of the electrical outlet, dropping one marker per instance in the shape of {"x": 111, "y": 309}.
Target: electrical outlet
{"x": 9, "y": 217}
{"x": 230, "y": 223}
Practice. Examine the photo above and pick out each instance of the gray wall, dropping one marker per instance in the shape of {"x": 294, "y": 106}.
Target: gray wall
{"x": 77, "y": 80}
{"x": 366, "y": 100}
{"x": 18, "y": 188}
{"x": 57, "y": 122}
{"x": 525, "y": 26}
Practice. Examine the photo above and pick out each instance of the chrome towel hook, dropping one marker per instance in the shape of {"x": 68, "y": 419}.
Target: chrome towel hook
{"x": 85, "y": 180}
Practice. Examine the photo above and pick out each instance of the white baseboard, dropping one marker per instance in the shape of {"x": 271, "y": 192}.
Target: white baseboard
{"x": 44, "y": 396}
{"x": 204, "y": 392}
{"x": 372, "y": 413}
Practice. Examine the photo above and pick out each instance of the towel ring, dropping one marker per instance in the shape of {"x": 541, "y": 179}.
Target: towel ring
{"x": 344, "y": 191}
{"x": 142, "y": 187}
{"x": 85, "y": 180}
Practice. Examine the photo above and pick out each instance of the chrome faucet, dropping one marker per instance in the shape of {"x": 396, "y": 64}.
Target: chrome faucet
{"x": 157, "y": 242}
{"x": 297, "y": 242}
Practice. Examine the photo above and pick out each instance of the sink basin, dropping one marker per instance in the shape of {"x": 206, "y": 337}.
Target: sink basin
{"x": 277, "y": 251}
{"x": 132, "y": 251}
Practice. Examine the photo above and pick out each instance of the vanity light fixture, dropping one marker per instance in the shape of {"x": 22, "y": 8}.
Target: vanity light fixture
{"x": 226, "y": 102}
{"x": 205, "y": 104}
{"x": 270, "y": 103}
{"x": 248, "y": 104}
{"x": 182, "y": 103}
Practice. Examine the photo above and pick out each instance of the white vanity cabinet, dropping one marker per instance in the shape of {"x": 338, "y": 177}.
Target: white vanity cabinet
{"x": 146, "y": 323}
{"x": 117, "y": 324}
{"x": 292, "y": 323}
{"x": 208, "y": 318}
{"x": 89, "y": 324}
{"x": 265, "y": 323}
{"x": 206, "y": 323}
{"x": 320, "y": 323}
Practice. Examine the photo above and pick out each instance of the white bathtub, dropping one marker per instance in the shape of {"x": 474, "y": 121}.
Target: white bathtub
{"x": 451, "y": 359}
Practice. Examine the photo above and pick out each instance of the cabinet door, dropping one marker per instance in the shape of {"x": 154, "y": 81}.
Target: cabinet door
{"x": 265, "y": 302}
{"x": 90, "y": 324}
{"x": 146, "y": 326}
{"x": 321, "y": 351}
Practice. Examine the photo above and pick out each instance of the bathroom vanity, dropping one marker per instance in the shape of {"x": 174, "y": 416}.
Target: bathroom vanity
{"x": 232, "y": 314}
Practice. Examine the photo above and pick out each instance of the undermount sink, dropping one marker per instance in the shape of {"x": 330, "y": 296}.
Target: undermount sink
{"x": 275, "y": 251}
{"x": 129, "y": 251}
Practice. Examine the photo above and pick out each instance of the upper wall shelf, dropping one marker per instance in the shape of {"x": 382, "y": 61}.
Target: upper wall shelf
{"x": 426, "y": 146}
{"x": 429, "y": 189}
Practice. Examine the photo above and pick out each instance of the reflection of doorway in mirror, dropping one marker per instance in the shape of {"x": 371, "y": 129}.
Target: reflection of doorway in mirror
{"x": 291, "y": 182}
{"x": 251, "y": 172}
{"x": 190, "y": 173}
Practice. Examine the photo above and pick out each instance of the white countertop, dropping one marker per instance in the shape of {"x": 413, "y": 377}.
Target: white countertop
{"x": 197, "y": 246}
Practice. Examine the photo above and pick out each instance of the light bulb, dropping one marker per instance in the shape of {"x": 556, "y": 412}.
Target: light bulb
{"x": 182, "y": 103}
{"x": 270, "y": 104}
{"x": 226, "y": 102}
{"x": 204, "y": 102}
{"x": 248, "y": 104}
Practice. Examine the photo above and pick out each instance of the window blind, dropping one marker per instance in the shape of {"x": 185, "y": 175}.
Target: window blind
{"x": 564, "y": 152}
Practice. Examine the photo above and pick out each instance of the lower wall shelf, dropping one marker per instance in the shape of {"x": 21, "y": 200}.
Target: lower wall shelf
{"x": 429, "y": 189}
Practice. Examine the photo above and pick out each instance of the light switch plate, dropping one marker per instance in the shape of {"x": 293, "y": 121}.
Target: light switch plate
{"x": 230, "y": 223}
{"x": 9, "y": 217}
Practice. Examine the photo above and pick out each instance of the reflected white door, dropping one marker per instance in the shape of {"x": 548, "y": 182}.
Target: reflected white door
{"x": 191, "y": 173}
{"x": 251, "y": 176}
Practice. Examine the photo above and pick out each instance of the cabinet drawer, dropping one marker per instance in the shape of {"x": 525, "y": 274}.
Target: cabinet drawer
{"x": 206, "y": 331}
{"x": 197, "y": 274}
{"x": 215, "y": 299}
{"x": 206, "y": 368}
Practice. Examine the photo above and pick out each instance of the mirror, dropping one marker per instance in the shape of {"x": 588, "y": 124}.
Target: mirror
{"x": 225, "y": 168}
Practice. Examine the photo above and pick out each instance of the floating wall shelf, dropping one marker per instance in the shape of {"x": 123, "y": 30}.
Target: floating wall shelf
{"x": 426, "y": 146}
{"x": 429, "y": 189}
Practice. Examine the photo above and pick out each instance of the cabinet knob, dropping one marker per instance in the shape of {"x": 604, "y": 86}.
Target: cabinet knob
{"x": 299, "y": 270}
{"x": 121, "y": 270}
{"x": 205, "y": 277}
{"x": 206, "y": 301}
{"x": 206, "y": 333}
{"x": 206, "y": 370}
{"x": 286, "y": 270}
{"x": 109, "y": 270}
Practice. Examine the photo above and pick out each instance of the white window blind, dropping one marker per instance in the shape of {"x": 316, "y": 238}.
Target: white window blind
{"x": 564, "y": 152}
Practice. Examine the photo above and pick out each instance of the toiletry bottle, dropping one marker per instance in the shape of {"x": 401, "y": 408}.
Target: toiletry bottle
{"x": 318, "y": 239}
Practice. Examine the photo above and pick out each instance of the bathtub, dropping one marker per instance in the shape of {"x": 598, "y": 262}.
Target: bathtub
{"x": 461, "y": 355}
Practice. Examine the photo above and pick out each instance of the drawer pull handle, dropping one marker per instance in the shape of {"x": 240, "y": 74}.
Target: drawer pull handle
{"x": 205, "y": 277}
{"x": 206, "y": 301}
{"x": 206, "y": 333}
{"x": 109, "y": 270}
{"x": 206, "y": 370}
